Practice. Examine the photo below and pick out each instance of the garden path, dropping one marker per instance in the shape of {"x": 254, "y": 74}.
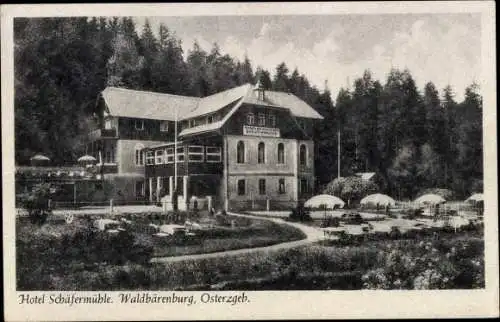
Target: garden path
{"x": 313, "y": 234}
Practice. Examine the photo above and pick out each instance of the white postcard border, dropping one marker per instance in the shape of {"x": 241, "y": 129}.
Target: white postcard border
{"x": 281, "y": 304}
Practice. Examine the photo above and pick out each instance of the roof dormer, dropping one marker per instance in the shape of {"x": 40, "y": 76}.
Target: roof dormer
{"x": 259, "y": 91}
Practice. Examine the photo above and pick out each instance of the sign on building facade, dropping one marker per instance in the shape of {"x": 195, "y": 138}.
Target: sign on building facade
{"x": 261, "y": 131}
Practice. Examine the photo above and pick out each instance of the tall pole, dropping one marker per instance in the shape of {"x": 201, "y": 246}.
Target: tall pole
{"x": 338, "y": 154}
{"x": 175, "y": 151}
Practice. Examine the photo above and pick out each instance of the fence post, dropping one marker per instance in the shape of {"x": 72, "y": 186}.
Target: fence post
{"x": 209, "y": 202}
{"x": 110, "y": 205}
{"x": 268, "y": 204}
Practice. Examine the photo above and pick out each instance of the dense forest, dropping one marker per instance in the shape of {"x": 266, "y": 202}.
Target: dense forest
{"x": 413, "y": 138}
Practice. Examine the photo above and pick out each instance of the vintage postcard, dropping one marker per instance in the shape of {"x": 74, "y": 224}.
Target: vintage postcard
{"x": 249, "y": 161}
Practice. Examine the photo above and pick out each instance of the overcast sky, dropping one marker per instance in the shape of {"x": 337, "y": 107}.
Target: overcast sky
{"x": 442, "y": 48}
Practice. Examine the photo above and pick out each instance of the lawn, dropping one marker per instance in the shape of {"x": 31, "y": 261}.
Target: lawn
{"x": 256, "y": 233}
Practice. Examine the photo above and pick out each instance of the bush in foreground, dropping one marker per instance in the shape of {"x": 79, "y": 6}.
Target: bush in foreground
{"x": 300, "y": 213}
{"x": 41, "y": 255}
{"x": 36, "y": 203}
{"x": 429, "y": 265}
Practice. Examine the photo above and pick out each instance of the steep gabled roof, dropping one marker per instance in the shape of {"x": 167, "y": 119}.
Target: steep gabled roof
{"x": 215, "y": 102}
{"x": 216, "y": 125}
{"x": 203, "y": 128}
{"x": 252, "y": 99}
{"x": 148, "y": 105}
{"x": 297, "y": 107}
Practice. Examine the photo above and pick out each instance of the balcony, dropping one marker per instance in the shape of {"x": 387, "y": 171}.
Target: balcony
{"x": 103, "y": 134}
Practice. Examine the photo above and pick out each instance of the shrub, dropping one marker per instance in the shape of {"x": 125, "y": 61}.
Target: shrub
{"x": 428, "y": 265}
{"x": 395, "y": 233}
{"x": 331, "y": 222}
{"x": 37, "y": 203}
{"x": 413, "y": 213}
{"x": 40, "y": 255}
{"x": 350, "y": 188}
{"x": 445, "y": 193}
{"x": 300, "y": 213}
{"x": 222, "y": 220}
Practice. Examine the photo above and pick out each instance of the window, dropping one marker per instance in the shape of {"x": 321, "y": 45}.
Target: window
{"x": 240, "y": 151}
{"x": 159, "y": 157}
{"x": 210, "y": 119}
{"x": 107, "y": 124}
{"x": 241, "y": 187}
{"x": 109, "y": 153}
{"x": 213, "y": 154}
{"x": 180, "y": 154}
{"x": 139, "y": 154}
{"x": 281, "y": 186}
{"x": 262, "y": 186}
{"x": 302, "y": 155}
{"x": 169, "y": 155}
{"x": 139, "y": 125}
{"x": 261, "y": 153}
{"x": 164, "y": 126}
{"x": 139, "y": 188}
{"x": 262, "y": 119}
{"x": 165, "y": 184}
{"x": 150, "y": 158}
{"x": 113, "y": 160}
{"x": 192, "y": 123}
{"x": 216, "y": 117}
{"x": 272, "y": 120}
{"x": 107, "y": 156}
{"x": 304, "y": 186}
{"x": 281, "y": 153}
{"x": 250, "y": 119}
{"x": 195, "y": 153}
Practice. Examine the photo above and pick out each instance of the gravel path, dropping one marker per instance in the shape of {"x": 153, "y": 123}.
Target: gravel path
{"x": 313, "y": 234}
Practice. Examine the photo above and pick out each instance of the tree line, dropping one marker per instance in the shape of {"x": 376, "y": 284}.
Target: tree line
{"x": 412, "y": 139}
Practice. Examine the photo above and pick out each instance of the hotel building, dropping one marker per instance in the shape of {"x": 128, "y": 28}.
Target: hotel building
{"x": 244, "y": 148}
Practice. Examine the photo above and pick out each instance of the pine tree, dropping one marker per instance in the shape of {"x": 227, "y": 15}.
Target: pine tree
{"x": 169, "y": 73}
{"x": 264, "y": 77}
{"x": 436, "y": 131}
{"x": 450, "y": 139}
{"x": 246, "y": 71}
{"x": 197, "y": 70}
{"x": 125, "y": 64}
{"x": 149, "y": 50}
{"x": 281, "y": 80}
{"x": 470, "y": 140}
